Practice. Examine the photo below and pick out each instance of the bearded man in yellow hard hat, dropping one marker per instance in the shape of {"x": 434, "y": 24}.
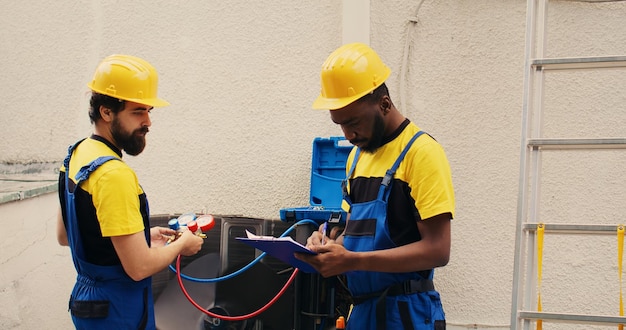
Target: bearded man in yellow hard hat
{"x": 104, "y": 214}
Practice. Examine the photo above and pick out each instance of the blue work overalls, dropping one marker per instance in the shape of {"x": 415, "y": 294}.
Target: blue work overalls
{"x": 104, "y": 297}
{"x": 386, "y": 300}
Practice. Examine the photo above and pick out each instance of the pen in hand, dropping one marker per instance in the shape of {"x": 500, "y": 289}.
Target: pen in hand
{"x": 324, "y": 229}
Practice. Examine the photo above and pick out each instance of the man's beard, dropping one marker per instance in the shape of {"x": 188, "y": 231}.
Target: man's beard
{"x": 132, "y": 143}
{"x": 378, "y": 135}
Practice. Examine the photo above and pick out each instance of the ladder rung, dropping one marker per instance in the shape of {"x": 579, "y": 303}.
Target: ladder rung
{"x": 575, "y": 318}
{"x": 579, "y": 62}
{"x": 600, "y": 143}
{"x": 574, "y": 228}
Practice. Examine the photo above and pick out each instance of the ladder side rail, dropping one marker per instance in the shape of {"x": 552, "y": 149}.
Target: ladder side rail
{"x": 529, "y": 51}
{"x": 530, "y": 288}
{"x": 521, "y": 237}
{"x": 541, "y": 28}
{"x": 530, "y": 280}
{"x": 535, "y": 31}
{"x": 534, "y": 193}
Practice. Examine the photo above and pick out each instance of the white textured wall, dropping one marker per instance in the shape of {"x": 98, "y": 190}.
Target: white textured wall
{"x": 36, "y": 273}
{"x": 241, "y": 77}
{"x": 465, "y": 88}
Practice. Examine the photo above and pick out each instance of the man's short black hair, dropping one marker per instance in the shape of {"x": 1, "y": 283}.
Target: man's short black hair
{"x": 116, "y": 105}
{"x": 375, "y": 95}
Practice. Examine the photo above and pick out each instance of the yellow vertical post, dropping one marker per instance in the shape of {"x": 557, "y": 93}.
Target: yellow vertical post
{"x": 540, "y": 232}
{"x": 620, "y": 254}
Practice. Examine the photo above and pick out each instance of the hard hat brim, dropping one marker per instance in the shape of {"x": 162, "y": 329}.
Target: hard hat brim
{"x": 154, "y": 102}
{"x": 323, "y": 103}
{"x": 151, "y": 102}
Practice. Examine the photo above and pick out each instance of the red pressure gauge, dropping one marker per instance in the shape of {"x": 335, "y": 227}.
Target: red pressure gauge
{"x": 206, "y": 222}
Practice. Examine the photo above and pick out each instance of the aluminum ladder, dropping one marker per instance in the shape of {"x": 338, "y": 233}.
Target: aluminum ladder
{"x": 523, "y": 310}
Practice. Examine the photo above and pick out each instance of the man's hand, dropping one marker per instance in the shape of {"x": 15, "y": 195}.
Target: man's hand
{"x": 314, "y": 240}
{"x": 191, "y": 243}
{"x": 160, "y": 235}
{"x": 331, "y": 258}
{"x": 316, "y": 236}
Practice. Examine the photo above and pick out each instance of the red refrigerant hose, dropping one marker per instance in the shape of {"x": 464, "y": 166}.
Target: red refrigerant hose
{"x": 232, "y": 318}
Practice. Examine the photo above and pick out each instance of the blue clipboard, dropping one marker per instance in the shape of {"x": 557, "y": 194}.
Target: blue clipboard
{"x": 281, "y": 248}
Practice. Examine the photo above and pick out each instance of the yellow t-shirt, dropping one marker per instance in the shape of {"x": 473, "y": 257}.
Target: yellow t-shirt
{"x": 422, "y": 185}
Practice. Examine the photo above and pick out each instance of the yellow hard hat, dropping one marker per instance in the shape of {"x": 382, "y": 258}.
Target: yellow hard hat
{"x": 127, "y": 78}
{"x": 350, "y": 72}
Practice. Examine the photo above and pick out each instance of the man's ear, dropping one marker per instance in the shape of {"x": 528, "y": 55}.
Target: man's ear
{"x": 385, "y": 105}
{"x": 106, "y": 113}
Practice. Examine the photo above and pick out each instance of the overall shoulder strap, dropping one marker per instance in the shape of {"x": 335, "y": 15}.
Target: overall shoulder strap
{"x": 344, "y": 183}
{"x": 86, "y": 170}
{"x": 384, "y": 185}
{"x": 70, "y": 150}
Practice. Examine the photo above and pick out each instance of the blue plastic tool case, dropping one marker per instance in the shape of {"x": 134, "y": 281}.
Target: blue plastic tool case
{"x": 328, "y": 170}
